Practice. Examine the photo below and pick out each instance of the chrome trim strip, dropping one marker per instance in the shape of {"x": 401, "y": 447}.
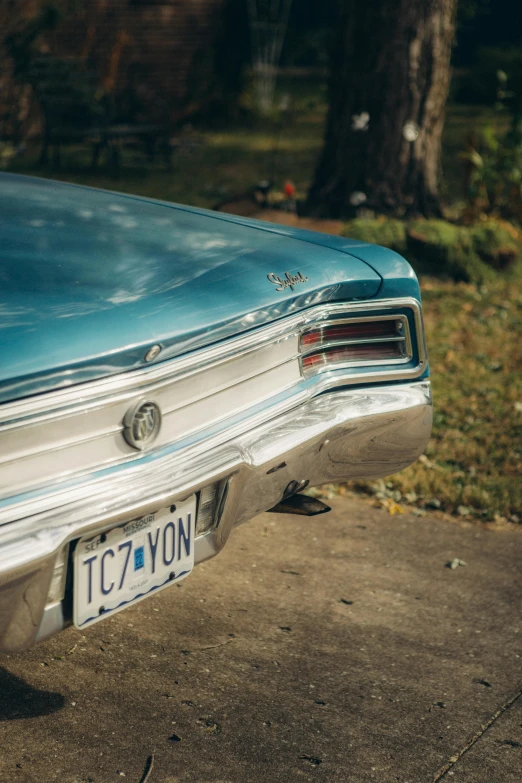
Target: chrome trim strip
{"x": 199, "y": 391}
{"x": 375, "y": 319}
{"x": 312, "y": 372}
{"x": 89, "y": 482}
{"x": 110, "y": 448}
{"x": 352, "y": 341}
{"x": 289, "y": 326}
{"x": 148, "y": 384}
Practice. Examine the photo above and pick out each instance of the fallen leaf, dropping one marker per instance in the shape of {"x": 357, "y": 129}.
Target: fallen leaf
{"x": 455, "y": 563}
{"x": 391, "y": 506}
{"x": 210, "y": 725}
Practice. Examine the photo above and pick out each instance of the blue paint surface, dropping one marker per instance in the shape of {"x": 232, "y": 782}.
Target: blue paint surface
{"x": 89, "y": 280}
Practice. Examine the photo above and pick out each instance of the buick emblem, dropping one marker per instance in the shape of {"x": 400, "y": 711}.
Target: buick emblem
{"x": 142, "y": 424}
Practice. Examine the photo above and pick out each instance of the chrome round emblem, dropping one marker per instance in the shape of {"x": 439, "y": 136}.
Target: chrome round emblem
{"x": 142, "y": 424}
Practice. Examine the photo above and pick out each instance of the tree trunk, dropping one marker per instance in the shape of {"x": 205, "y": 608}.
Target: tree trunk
{"x": 388, "y": 88}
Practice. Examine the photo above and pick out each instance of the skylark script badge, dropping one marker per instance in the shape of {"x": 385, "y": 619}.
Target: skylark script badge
{"x": 288, "y": 281}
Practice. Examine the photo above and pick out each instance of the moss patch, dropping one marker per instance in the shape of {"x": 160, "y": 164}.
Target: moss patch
{"x": 472, "y": 254}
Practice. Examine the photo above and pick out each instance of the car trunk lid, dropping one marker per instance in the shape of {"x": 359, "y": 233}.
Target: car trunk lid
{"x": 90, "y": 280}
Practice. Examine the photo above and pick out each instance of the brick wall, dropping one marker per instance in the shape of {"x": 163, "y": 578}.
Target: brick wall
{"x": 157, "y": 46}
{"x": 155, "y": 58}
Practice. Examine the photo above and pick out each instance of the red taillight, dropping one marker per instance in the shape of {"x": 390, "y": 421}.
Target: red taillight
{"x": 355, "y": 342}
{"x": 356, "y": 331}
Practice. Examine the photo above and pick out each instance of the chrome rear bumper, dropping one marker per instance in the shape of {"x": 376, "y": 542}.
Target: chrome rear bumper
{"x": 366, "y": 433}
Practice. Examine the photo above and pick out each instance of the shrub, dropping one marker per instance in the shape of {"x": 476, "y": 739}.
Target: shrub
{"x": 495, "y": 244}
{"x": 494, "y": 170}
{"x": 494, "y": 175}
{"x": 479, "y": 85}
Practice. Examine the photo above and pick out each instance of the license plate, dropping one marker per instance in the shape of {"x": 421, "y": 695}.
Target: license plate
{"x": 131, "y": 561}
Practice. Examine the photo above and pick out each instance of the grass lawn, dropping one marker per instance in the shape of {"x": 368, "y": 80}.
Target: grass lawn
{"x": 473, "y": 465}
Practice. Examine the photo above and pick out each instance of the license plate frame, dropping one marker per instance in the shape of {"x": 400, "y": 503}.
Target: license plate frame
{"x": 127, "y": 563}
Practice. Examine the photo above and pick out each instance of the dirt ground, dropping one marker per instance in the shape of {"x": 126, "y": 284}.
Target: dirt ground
{"x": 337, "y": 648}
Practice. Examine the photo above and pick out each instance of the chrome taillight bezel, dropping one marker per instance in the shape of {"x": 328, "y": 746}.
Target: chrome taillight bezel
{"x": 403, "y": 336}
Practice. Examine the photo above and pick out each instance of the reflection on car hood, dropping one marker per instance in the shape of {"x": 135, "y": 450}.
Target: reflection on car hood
{"x": 90, "y": 279}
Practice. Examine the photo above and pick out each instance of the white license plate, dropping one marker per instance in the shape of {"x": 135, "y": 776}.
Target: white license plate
{"x": 122, "y": 566}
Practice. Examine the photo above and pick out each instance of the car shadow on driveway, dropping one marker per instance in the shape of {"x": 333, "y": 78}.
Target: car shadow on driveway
{"x": 20, "y": 700}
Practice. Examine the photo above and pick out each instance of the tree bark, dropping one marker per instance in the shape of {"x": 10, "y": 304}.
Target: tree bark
{"x": 389, "y": 84}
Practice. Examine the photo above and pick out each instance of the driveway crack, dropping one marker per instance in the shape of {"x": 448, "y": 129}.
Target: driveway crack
{"x": 453, "y": 760}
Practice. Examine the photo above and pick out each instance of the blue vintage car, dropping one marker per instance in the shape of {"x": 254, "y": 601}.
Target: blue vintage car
{"x": 168, "y": 373}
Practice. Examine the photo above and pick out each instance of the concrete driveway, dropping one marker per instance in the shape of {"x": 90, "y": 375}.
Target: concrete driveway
{"x": 338, "y": 648}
